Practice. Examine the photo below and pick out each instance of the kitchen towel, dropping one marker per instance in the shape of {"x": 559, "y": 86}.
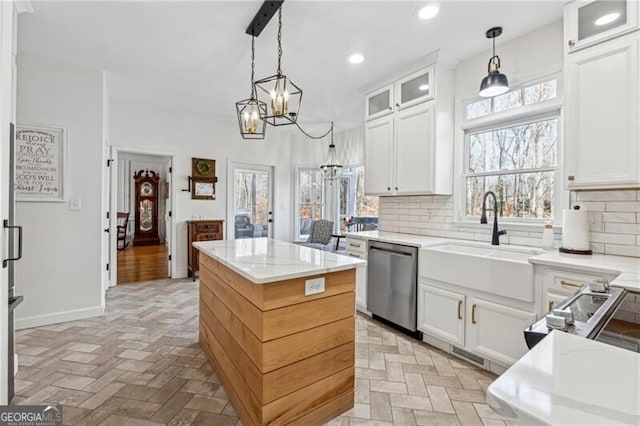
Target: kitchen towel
{"x": 575, "y": 229}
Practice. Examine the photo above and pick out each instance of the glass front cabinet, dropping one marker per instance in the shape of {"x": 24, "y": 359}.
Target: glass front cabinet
{"x": 379, "y": 103}
{"x": 588, "y": 22}
{"x": 414, "y": 88}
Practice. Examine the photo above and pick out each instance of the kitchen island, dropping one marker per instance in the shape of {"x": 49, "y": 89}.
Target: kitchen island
{"x": 277, "y": 322}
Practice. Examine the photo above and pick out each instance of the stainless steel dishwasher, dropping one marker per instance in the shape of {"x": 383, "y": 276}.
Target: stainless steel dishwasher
{"x": 392, "y": 284}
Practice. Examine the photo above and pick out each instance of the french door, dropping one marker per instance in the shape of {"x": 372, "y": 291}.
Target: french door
{"x": 251, "y": 201}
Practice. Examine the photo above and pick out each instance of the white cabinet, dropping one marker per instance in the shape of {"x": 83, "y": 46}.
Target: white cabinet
{"x": 379, "y": 149}
{"x": 358, "y": 248}
{"x": 415, "y": 88}
{"x": 495, "y": 330}
{"x": 588, "y": 22}
{"x": 441, "y": 313}
{"x": 414, "y": 150}
{"x": 379, "y": 102}
{"x": 602, "y": 117}
{"x": 558, "y": 284}
{"x": 409, "y": 151}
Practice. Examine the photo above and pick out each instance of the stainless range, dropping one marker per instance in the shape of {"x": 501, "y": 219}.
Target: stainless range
{"x": 599, "y": 312}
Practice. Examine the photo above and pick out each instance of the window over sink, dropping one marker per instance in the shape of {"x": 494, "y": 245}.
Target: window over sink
{"x": 511, "y": 147}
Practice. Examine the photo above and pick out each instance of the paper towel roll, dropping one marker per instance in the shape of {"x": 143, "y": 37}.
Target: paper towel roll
{"x": 575, "y": 229}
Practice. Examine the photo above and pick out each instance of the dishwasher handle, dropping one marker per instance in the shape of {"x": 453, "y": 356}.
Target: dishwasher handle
{"x": 397, "y": 253}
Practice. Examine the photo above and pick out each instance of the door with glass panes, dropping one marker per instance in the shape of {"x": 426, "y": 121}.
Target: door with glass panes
{"x": 252, "y": 202}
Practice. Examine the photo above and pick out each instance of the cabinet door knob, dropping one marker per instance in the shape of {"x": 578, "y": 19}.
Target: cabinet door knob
{"x": 551, "y": 305}
{"x": 571, "y": 43}
{"x": 571, "y": 177}
{"x": 388, "y": 188}
{"x": 396, "y": 188}
{"x": 398, "y": 105}
{"x": 390, "y": 108}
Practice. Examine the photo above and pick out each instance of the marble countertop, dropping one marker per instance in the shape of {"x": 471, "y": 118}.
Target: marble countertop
{"x": 566, "y": 379}
{"x": 263, "y": 260}
{"x": 419, "y": 241}
{"x": 627, "y": 268}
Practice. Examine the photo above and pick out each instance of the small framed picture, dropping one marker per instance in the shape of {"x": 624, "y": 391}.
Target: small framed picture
{"x": 203, "y": 190}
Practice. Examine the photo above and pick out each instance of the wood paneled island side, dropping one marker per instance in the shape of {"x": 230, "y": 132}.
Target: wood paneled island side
{"x": 283, "y": 357}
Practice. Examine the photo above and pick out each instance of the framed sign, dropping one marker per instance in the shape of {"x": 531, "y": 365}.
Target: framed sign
{"x": 203, "y": 168}
{"x": 203, "y": 190}
{"x": 39, "y": 163}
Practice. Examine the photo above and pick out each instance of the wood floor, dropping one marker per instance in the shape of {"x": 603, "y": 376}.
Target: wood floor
{"x": 142, "y": 263}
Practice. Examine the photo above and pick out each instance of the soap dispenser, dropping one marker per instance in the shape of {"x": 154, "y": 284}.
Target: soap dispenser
{"x": 547, "y": 236}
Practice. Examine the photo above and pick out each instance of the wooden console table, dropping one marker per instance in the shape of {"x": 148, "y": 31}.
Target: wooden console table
{"x": 200, "y": 230}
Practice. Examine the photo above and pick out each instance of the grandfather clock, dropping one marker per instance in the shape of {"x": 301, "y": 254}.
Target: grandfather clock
{"x": 146, "y": 207}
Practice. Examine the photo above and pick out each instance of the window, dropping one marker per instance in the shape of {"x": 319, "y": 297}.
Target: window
{"x": 515, "y": 158}
{"x": 527, "y": 94}
{"x": 352, "y": 201}
{"x": 310, "y": 200}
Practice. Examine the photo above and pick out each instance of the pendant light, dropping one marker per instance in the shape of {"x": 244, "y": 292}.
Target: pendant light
{"x": 279, "y": 93}
{"x": 495, "y": 83}
{"x": 250, "y": 110}
{"x": 332, "y": 169}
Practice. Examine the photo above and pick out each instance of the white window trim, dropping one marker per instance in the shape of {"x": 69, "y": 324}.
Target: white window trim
{"x": 296, "y": 199}
{"x": 519, "y": 115}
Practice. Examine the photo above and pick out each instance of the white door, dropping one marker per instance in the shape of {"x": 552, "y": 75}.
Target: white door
{"x": 495, "y": 331}
{"x": 168, "y": 213}
{"x": 414, "y": 150}
{"x": 379, "y": 156}
{"x": 602, "y": 115}
{"x": 251, "y": 212}
{"x": 441, "y": 313}
{"x": 106, "y": 222}
{"x": 113, "y": 203}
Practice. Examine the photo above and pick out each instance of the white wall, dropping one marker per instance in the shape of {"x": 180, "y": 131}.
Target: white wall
{"x": 141, "y": 128}
{"x": 60, "y": 274}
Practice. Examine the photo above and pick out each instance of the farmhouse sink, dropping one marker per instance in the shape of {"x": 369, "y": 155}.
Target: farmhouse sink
{"x": 503, "y": 271}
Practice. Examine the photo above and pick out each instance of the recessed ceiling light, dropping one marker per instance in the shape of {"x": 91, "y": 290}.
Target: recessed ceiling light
{"x": 429, "y": 10}
{"x": 607, "y": 19}
{"x": 355, "y": 58}
{"x": 423, "y": 87}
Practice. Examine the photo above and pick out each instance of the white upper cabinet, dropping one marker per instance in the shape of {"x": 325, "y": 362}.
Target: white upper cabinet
{"x": 588, "y": 22}
{"x": 378, "y": 153}
{"x": 379, "y": 103}
{"x": 409, "y": 147}
{"x": 414, "y": 88}
{"x": 602, "y": 117}
{"x": 414, "y": 150}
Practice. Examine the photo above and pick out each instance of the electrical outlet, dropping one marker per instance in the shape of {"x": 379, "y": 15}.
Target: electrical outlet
{"x": 313, "y": 286}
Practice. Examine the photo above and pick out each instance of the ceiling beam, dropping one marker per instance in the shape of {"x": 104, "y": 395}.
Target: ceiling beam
{"x": 263, "y": 16}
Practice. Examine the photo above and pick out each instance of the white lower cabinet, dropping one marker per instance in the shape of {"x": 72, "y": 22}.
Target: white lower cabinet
{"x": 358, "y": 249}
{"x": 489, "y": 329}
{"x": 496, "y": 331}
{"x": 441, "y": 313}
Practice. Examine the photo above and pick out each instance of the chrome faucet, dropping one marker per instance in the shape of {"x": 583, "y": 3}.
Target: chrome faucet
{"x": 495, "y": 234}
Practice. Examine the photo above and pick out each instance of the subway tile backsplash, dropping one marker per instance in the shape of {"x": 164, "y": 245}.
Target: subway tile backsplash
{"x": 614, "y": 218}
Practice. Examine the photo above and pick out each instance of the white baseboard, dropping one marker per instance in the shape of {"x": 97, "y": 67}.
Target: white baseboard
{"x": 180, "y": 274}
{"x": 58, "y": 317}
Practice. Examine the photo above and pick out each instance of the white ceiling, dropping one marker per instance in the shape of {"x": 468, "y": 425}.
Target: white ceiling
{"x": 193, "y": 57}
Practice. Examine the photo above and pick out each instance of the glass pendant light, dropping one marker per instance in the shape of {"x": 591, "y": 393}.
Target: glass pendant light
{"x": 279, "y": 93}
{"x": 332, "y": 169}
{"x": 495, "y": 83}
{"x": 250, "y": 110}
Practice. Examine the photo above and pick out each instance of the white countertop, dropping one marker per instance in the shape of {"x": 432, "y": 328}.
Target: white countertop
{"x": 419, "y": 241}
{"x": 263, "y": 260}
{"x": 627, "y": 268}
{"x": 566, "y": 379}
